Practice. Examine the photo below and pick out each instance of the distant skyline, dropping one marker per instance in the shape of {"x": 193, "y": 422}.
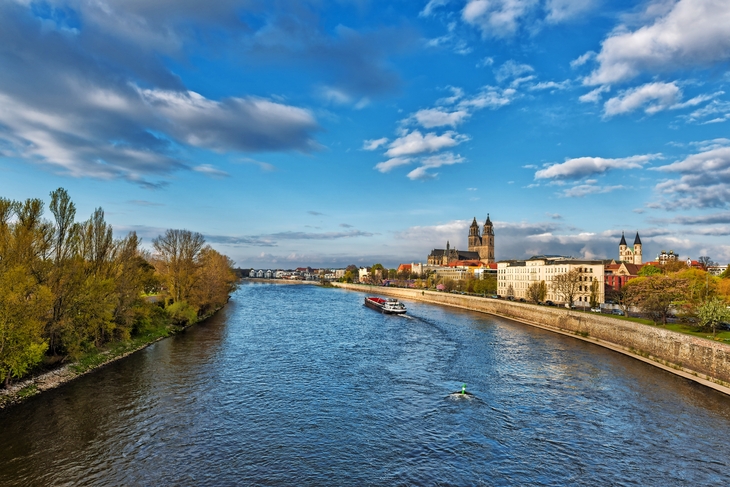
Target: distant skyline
{"x": 328, "y": 133}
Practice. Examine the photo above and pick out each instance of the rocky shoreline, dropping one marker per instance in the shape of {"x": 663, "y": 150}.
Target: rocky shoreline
{"x": 32, "y": 386}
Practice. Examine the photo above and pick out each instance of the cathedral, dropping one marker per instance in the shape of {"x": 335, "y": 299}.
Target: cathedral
{"x": 481, "y": 247}
{"x": 630, "y": 256}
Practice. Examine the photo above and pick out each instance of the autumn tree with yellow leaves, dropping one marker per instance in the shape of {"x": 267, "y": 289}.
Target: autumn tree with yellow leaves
{"x": 69, "y": 287}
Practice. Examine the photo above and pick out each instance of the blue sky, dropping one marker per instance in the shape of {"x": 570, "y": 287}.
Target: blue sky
{"x": 313, "y": 132}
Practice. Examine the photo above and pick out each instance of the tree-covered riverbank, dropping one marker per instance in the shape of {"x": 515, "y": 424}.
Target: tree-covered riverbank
{"x": 70, "y": 291}
{"x": 42, "y": 381}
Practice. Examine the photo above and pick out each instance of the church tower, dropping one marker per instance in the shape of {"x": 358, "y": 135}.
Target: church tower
{"x": 486, "y": 251}
{"x": 623, "y": 250}
{"x": 630, "y": 256}
{"x": 475, "y": 241}
{"x": 637, "y": 250}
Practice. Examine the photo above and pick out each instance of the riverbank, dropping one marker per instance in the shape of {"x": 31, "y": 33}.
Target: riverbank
{"x": 701, "y": 360}
{"x": 31, "y": 386}
{"x": 261, "y": 280}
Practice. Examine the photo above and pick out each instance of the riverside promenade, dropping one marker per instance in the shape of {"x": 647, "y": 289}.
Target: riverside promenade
{"x": 704, "y": 361}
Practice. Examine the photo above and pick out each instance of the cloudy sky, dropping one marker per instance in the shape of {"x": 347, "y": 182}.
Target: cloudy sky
{"x": 295, "y": 132}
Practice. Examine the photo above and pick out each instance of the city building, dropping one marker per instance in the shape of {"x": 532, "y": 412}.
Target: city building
{"x": 617, "y": 275}
{"x": 716, "y": 269}
{"x": 514, "y": 277}
{"x": 630, "y": 256}
{"x": 442, "y": 257}
{"x": 480, "y": 246}
{"x": 363, "y": 273}
{"x": 665, "y": 257}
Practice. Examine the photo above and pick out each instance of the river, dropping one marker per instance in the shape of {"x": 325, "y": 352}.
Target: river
{"x": 302, "y": 385}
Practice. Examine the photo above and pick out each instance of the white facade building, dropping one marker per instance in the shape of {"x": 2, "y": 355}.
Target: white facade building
{"x": 514, "y": 277}
{"x": 363, "y": 273}
{"x": 716, "y": 269}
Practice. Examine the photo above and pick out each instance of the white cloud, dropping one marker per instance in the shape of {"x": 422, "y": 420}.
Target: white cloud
{"x": 692, "y": 102}
{"x": 705, "y": 145}
{"x": 386, "y": 166}
{"x": 434, "y": 162}
{"x": 562, "y": 10}
{"x": 594, "y": 96}
{"x": 496, "y": 18}
{"x": 217, "y": 125}
{"x": 457, "y": 94}
{"x": 490, "y": 97}
{"x": 362, "y": 103}
{"x": 582, "y": 190}
{"x": 658, "y": 96}
{"x": 334, "y": 95}
{"x": 264, "y": 166}
{"x": 704, "y": 181}
{"x": 431, "y": 6}
{"x": 512, "y": 69}
{"x": 417, "y": 143}
{"x": 487, "y": 61}
{"x": 582, "y": 59}
{"x": 211, "y": 171}
{"x": 550, "y": 85}
{"x": 693, "y": 33}
{"x": 374, "y": 144}
{"x": 714, "y": 112}
{"x": 436, "y": 117}
{"x": 452, "y": 231}
{"x": 654, "y": 97}
{"x": 588, "y": 166}
{"x": 518, "y": 81}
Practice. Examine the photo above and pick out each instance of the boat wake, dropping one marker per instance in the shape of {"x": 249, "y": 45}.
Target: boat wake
{"x": 459, "y": 396}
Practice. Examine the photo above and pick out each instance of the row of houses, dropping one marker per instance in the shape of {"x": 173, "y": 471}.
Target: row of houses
{"x": 300, "y": 273}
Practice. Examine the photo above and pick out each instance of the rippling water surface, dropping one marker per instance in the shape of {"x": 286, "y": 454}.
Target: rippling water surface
{"x": 299, "y": 385}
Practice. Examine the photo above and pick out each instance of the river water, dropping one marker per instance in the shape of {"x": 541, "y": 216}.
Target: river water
{"x": 301, "y": 385}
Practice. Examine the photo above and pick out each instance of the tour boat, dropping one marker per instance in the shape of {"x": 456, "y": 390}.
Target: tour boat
{"x": 387, "y": 306}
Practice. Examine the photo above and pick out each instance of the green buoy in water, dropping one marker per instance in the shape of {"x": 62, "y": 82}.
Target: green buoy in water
{"x": 463, "y": 388}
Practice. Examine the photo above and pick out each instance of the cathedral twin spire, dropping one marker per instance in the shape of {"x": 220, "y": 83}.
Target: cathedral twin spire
{"x": 625, "y": 254}
{"x": 482, "y": 244}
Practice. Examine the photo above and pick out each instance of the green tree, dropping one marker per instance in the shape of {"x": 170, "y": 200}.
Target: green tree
{"x": 214, "y": 282}
{"x": 656, "y": 295}
{"x": 649, "y": 270}
{"x": 713, "y": 312}
{"x": 61, "y": 282}
{"x": 24, "y": 305}
{"x": 176, "y": 261}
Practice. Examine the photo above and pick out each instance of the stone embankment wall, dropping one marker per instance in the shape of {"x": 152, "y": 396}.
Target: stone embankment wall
{"x": 703, "y": 360}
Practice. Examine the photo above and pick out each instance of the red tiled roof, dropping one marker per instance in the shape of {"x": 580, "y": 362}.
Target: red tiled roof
{"x": 469, "y": 263}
